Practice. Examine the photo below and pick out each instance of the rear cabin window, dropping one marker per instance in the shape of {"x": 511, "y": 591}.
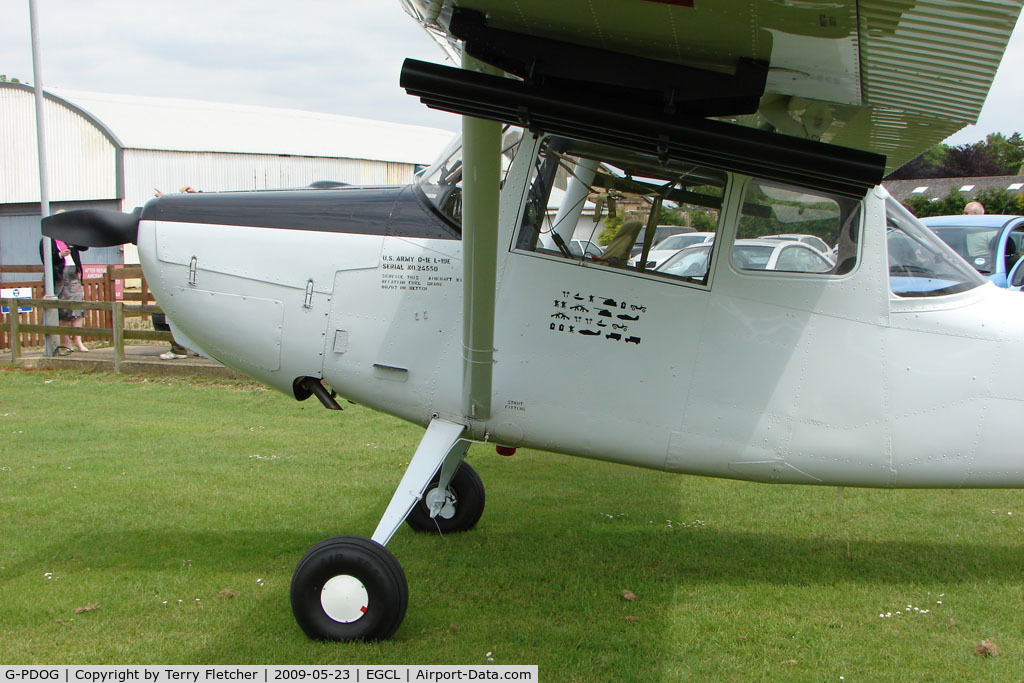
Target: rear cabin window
{"x": 792, "y": 230}
{"x": 610, "y": 208}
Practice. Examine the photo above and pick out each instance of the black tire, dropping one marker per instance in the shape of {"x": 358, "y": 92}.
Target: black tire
{"x": 466, "y": 492}
{"x": 354, "y": 564}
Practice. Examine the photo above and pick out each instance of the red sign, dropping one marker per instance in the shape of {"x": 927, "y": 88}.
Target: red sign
{"x": 94, "y": 271}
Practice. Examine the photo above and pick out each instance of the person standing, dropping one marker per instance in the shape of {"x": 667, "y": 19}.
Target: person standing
{"x": 67, "y": 285}
{"x": 974, "y": 209}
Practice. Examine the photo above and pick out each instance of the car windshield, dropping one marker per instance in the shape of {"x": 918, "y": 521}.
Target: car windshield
{"x": 690, "y": 263}
{"x": 678, "y": 242}
{"x": 976, "y": 244}
{"x": 752, "y": 256}
{"x": 920, "y": 264}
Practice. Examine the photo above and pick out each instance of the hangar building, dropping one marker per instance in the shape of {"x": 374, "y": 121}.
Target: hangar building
{"x": 115, "y": 151}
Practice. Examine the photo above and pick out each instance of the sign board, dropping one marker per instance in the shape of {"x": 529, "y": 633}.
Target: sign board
{"x": 16, "y": 293}
{"x": 96, "y": 271}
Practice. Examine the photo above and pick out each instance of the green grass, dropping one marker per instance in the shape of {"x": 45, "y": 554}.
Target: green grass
{"x": 152, "y": 498}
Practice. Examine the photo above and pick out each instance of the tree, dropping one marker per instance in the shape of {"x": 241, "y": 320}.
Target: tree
{"x": 952, "y": 204}
{"x": 971, "y": 161}
{"x": 928, "y": 164}
{"x": 1008, "y": 152}
{"x": 702, "y": 220}
{"x": 998, "y": 200}
{"x": 995, "y": 155}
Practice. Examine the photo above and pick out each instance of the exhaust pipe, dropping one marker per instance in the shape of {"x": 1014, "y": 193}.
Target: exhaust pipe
{"x": 304, "y": 387}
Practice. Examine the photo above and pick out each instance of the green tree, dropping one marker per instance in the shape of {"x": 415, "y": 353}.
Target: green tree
{"x": 1006, "y": 152}
{"x": 950, "y": 205}
{"x": 997, "y": 154}
{"x": 998, "y": 200}
{"x": 667, "y": 216}
{"x": 702, "y": 220}
{"x": 611, "y": 227}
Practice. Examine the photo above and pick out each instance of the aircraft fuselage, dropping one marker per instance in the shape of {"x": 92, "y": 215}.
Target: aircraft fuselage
{"x": 790, "y": 377}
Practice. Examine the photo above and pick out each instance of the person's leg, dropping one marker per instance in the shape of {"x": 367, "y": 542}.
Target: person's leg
{"x": 79, "y": 322}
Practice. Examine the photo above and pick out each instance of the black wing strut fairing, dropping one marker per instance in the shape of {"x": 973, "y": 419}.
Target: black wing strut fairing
{"x": 588, "y": 74}
{"x": 93, "y": 227}
{"x": 719, "y": 145}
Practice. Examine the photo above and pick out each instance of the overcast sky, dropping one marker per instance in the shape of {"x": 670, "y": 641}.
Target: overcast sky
{"x": 334, "y": 56}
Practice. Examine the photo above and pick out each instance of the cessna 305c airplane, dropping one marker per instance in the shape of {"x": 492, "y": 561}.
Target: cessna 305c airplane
{"x": 875, "y": 364}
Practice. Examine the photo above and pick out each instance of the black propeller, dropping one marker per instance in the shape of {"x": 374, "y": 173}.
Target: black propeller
{"x": 93, "y": 227}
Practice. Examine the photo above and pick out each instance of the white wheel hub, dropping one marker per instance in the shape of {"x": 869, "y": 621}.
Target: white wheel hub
{"x": 344, "y": 598}
{"x": 440, "y": 503}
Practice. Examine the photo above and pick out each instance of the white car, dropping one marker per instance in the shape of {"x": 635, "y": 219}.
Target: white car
{"x": 580, "y": 248}
{"x": 663, "y": 250}
{"x": 753, "y": 254}
{"x": 810, "y": 240}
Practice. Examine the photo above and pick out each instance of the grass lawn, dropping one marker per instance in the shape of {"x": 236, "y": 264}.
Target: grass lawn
{"x": 154, "y": 521}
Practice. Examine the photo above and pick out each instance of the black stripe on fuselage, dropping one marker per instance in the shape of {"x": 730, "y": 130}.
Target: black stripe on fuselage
{"x": 389, "y": 211}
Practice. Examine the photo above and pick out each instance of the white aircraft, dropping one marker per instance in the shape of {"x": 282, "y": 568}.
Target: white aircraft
{"x": 454, "y": 304}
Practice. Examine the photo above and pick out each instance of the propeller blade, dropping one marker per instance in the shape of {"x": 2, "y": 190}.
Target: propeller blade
{"x": 93, "y": 227}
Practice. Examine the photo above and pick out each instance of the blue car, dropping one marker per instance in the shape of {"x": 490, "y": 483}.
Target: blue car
{"x": 992, "y": 244}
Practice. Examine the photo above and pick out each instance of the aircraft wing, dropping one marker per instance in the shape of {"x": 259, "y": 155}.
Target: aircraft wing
{"x": 891, "y": 77}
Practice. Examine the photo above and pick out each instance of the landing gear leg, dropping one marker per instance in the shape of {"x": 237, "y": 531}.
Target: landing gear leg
{"x": 352, "y": 588}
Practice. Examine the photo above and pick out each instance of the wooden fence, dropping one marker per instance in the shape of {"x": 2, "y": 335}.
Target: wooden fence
{"x": 102, "y": 289}
{"x": 116, "y": 310}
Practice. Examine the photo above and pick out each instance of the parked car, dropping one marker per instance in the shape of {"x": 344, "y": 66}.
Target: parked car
{"x": 660, "y": 233}
{"x": 580, "y": 248}
{"x": 670, "y": 245}
{"x": 809, "y": 240}
{"x": 751, "y": 254}
{"x": 992, "y": 244}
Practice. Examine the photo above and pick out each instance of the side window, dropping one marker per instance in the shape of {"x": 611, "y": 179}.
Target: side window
{"x": 1014, "y": 247}
{"x": 792, "y": 230}
{"x": 610, "y": 208}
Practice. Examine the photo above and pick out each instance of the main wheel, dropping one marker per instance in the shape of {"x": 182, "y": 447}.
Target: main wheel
{"x": 349, "y": 588}
{"x": 462, "y": 504}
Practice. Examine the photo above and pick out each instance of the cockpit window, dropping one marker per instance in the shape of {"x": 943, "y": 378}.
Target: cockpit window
{"x": 920, "y": 264}
{"x": 601, "y": 206}
{"x": 441, "y": 183}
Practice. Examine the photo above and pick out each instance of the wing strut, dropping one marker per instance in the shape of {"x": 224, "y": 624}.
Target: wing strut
{"x": 481, "y": 156}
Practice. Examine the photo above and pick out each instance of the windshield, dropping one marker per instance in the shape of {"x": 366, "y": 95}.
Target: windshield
{"x": 920, "y": 264}
{"x": 676, "y": 242}
{"x": 752, "y": 256}
{"x": 441, "y": 183}
{"x": 688, "y": 263}
{"x": 975, "y": 244}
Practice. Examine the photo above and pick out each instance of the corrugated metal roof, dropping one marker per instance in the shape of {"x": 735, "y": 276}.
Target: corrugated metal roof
{"x": 194, "y": 126}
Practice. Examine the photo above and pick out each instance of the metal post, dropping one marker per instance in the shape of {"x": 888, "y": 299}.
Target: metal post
{"x": 481, "y": 176}
{"x": 49, "y": 314}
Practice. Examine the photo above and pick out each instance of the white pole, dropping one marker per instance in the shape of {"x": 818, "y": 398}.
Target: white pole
{"x": 49, "y": 314}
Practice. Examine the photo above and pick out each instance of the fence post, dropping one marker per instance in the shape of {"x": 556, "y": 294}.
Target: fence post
{"x": 117, "y": 310}
{"x": 15, "y": 334}
{"x": 108, "y": 295}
